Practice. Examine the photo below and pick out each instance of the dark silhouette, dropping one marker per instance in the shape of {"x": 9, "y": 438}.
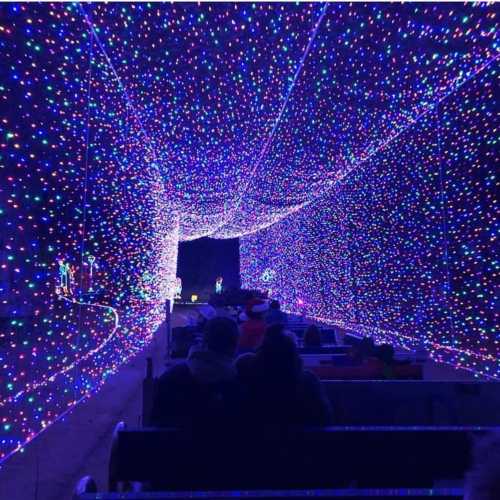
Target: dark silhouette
{"x": 184, "y": 337}
{"x": 200, "y": 261}
{"x": 203, "y": 391}
{"x": 482, "y": 482}
{"x": 280, "y": 391}
{"x": 275, "y": 314}
{"x": 312, "y": 336}
{"x": 362, "y": 351}
{"x": 385, "y": 353}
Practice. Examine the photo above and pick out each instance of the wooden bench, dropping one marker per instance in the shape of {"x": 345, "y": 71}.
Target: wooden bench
{"x": 414, "y": 402}
{"x": 324, "y": 350}
{"x": 413, "y": 371}
{"x": 85, "y": 492}
{"x": 291, "y": 460}
{"x": 396, "y": 402}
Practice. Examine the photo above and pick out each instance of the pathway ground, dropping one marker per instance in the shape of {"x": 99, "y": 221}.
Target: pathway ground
{"x": 79, "y": 445}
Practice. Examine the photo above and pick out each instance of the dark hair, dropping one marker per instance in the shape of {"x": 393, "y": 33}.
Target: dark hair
{"x": 312, "y": 336}
{"x": 364, "y": 349}
{"x": 221, "y": 335}
{"x": 274, "y": 305}
{"x": 254, "y": 314}
{"x": 385, "y": 353}
{"x": 278, "y": 356}
{"x": 367, "y": 347}
{"x": 482, "y": 482}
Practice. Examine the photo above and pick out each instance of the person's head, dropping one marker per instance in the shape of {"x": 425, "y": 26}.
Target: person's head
{"x": 256, "y": 308}
{"x": 385, "y": 353}
{"x": 245, "y": 364}
{"x": 278, "y": 355}
{"x": 362, "y": 350}
{"x": 275, "y": 305}
{"x": 221, "y": 336}
{"x": 482, "y": 482}
{"x": 366, "y": 347}
{"x": 312, "y": 336}
{"x": 205, "y": 313}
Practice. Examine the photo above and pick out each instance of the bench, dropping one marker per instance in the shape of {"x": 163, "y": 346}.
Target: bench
{"x": 85, "y": 491}
{"x": 395, "y": 402}
{"x": 414, "y": 402}
{"x": 292, "y": 460}
{"x": 324, "y": 350}
{"x": 413, "y": 371}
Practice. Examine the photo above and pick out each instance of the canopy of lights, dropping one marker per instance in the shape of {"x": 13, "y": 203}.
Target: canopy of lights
{"x": 351, "y": 147}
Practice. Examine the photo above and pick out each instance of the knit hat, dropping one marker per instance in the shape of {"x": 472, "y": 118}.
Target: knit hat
{"x": 257, "y": 306}
{"x": 207, "y": 311}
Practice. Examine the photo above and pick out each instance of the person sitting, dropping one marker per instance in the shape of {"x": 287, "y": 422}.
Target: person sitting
{"x": 185, "y": 337}
{"x": 312, "y": 337}
{"x": 253, "y": 328}
{"x": 384, "y": 353}
{"x": 366, "y": 348}
{"x": 482, "y": 481}
{"x": 279, "y": 391}
{"x": 275, "y": 314}
{"x": 205, "y": 314}
{"x": 203, "y": 390}
{"x": 359, "y": 354}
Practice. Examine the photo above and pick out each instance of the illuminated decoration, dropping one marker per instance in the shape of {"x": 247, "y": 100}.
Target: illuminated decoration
{"x": 63, "y": 277}
{"x": 402, "y": 248}
{"x": 309, "y": 129}
{"x": 268, "y": 276}
{"x": 178, "y": 288}
{"x": 71, "y": 278}
{"x": 218, "y": 285}
{"x": 92, "y": 264}
{"x": 194, "y": 298}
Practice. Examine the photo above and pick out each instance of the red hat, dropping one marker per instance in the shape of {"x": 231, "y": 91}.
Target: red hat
{"x": 257, "y": 306}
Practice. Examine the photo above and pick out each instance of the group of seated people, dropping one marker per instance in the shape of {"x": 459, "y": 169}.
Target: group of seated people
{"x": 257, "y": 315}
{"x": 248, "y": 372}
{"x": 253, "y": 373}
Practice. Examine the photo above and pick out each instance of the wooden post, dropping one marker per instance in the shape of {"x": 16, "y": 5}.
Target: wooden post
{"x": 148, "y": 385}
{"x": 168, "y": 325}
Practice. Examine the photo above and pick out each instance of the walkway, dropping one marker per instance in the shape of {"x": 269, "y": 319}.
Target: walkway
{"x": 79, "y": 445}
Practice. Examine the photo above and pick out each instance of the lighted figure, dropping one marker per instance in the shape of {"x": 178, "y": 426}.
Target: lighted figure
{"x": 63, "y": 277}
{"x": 218, "y": 285}
{"x": 178, "y": 288}
{"x": 268, "y": 275}
{"x": 194, "y": 298}
{"x": 92, "y": 264}
{"x": 70, "y": 271}
{"x": 146, "y": 288}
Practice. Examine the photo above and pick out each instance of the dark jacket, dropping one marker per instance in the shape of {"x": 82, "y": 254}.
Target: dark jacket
{"x": 203, "y": 391}
{"x": 276, "y": 316}
{"x": 274, "y": 400}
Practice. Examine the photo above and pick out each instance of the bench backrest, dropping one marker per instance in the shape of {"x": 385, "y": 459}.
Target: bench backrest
{"x": 409, "y": 402}
{"x": 330, "y": 494}
{"x": 292, "y": 459}
{"x": 411, "y": 371}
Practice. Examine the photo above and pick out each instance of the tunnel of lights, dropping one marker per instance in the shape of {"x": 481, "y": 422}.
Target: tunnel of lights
{"x": 350, "y": 147}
